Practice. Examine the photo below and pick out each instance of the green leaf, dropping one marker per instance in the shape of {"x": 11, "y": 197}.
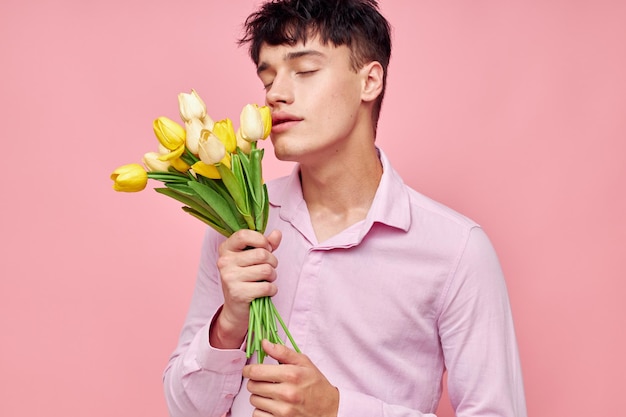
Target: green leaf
{"x": 182, "y": 188}
{"x": 217, "y": 203}
{"x": 256, "y": 175}
{"x": 219, "y": 187}
{"x": 237, "y": 169}
{"x": 245, "y": 164}
{"x": 208, "y": 221}
{"x": 237, "y": 193}
{"x": 244, "y": 157}
{"x": 262, "y": 224}
{"x": 198, "y": 205}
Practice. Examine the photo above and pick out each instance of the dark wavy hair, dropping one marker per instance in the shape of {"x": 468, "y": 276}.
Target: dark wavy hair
{"x": 357, "y": 24}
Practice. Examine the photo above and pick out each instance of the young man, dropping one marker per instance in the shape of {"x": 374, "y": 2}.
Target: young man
{"x": 381, "y": 287}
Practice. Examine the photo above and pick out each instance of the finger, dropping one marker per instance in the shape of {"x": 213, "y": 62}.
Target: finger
{"x": 243, "y": 267}
{"x": 263, "y": 377}
{"x": 243, "y": 239}
{"x": 258, "y": 256}
{"x": 274, "y": 239}
{"x": 232, "y": 260}
{"x": 262, "y": 406}
{"x": 247, "y": 292}
{"x": 266, "y": 406}
{"x": 261, "y": 413}
{"x": 283, "y": 354}
{"x": 254, "y": 273}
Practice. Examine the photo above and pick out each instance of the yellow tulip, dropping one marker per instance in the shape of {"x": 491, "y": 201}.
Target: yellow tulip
{"x": 255, "y": 122}
{"x": 210, "y": 149}
{"x": 179, "y": 165}
{"x": 129, "y": 178}
{"x": 153, "y": 163}
{"x": 226, "y": 134}
{"x": 266, "y": 116}
{"x": 208, "y": 171}
{"x": 226, "y": 160}
{"x": 165, "y": 155}
{"x": 170, "y": 134}
{"x": 251, "y": 123}
{"x": 191, "y": 106}
{"x": 173, "y": 154}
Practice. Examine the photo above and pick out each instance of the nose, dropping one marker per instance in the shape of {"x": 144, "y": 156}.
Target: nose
{"x": 280, "y": 91}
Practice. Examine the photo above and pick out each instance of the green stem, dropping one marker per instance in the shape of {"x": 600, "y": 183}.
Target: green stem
{"x": 249, "y": 341}
{"x": 188, "y": 157}
{"x": 167, "y": 176}
{"x": 282, "y": 323}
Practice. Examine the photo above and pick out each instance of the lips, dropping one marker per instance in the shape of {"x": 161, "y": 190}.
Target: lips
{"x": 282, "y": 117}
{"x": 282, "y": 121}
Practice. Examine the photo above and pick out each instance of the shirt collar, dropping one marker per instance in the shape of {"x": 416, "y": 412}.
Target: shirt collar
{"x": 391, "y": 205}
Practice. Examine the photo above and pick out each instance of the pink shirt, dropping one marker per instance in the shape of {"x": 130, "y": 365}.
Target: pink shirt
{"x": 381, "y": 309}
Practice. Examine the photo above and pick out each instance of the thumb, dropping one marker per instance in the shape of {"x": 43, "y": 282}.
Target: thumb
{"x": 282, "y": 354}
{"x": 274, "y": 238}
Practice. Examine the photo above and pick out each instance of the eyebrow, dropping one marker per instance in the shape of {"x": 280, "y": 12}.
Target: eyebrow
{"x": 290, "y": 56}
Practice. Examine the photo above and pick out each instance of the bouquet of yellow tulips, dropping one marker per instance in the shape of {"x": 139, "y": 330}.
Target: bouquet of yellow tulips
{"x": 216, "y": 173}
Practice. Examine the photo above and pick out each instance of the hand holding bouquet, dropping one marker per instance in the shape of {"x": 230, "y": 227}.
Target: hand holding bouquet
{"x": 216, "y": 173}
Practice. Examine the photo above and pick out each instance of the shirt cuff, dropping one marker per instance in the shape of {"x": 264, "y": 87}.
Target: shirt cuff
{"x": 221, "y": 361}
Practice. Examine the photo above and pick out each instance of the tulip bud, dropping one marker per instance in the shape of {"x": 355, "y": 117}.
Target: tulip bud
{"x": 193, "y": 128}
{"x": 251, "y": 123}
{"x": 191, "y": 106}
{"x": 226, "y": 134}
{"x": 129, "y": 178}
{"x": 153, "y": 163}
{"x": 170, "y": 134}
{"x": 208, "y": 123}
{"x": 243, "y": 144}
{"x": 163, "y": 149}
{"x": 210, "y": 149}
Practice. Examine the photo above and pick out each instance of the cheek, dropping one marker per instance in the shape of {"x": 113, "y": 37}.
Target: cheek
{"x": 342, "y": 106}
{"x": 342, "y": 94}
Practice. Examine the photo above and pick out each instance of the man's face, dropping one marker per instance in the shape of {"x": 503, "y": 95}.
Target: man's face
{"x": 315, "y": 97}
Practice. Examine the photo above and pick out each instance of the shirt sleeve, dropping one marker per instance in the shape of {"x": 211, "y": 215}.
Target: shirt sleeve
{"x": 478, "y": 341}
{"x": 478, "y": 338}
{"x": 200, "y": 380}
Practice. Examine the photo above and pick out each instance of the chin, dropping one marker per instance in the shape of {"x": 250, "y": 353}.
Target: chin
{"x": 284, "y": 156}
{"x": 282, "y": 151}
{"x": 292, "y": 148}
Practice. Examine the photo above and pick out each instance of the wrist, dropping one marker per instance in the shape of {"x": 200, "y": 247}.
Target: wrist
{"x": 224, "y": 334}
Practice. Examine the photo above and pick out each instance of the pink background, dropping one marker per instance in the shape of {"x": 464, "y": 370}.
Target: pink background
{"x": 513, "y": 113}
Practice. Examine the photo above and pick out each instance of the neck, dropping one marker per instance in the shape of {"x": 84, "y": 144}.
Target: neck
{"x": 340, "y": 191}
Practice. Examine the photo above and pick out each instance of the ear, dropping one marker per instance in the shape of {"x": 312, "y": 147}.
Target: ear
{"x": 372, "y": 76}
